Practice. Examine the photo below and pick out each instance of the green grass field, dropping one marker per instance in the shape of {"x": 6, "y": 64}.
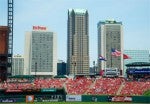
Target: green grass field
{"x": 81, "y": 103}
{"x": 84, "y": 103}
{"x": 77, "y": 103}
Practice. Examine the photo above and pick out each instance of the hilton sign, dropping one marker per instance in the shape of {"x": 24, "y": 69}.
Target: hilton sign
{"x": 39, "y": 28}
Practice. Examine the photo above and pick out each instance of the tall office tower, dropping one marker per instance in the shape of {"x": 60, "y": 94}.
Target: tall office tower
{"x": 18, "y": 64}
{"x": 78, "y": 42}
{"x": 136, "y": 56}
{"x": 40, "y": 52}
{"x": 110, "y": 36}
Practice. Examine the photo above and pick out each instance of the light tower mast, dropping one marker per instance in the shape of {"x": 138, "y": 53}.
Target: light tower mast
{"x": 10, "y": 35}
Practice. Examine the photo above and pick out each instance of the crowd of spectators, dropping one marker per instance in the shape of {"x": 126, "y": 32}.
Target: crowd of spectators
{"x": 78, "y": 85}
{"x": 49, "y": 83}
{"x": 107, "y": 86}
{"x": 81, "y": 85}
{"x": 135, "y": 87}
{"x": 19, "y": 80}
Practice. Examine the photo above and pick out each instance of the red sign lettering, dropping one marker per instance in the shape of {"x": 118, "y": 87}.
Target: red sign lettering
{"x": 39, "y": 28}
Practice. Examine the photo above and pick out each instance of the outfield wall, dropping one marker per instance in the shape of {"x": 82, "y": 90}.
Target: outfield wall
{"x": 94, "y": 98}
{"x": 106, "y": 98}
{"x": 75, "y": 98}
{"x": 141, "y": 99}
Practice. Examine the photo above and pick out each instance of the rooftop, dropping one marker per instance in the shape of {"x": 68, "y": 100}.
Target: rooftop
{"x": 78, "y": 11}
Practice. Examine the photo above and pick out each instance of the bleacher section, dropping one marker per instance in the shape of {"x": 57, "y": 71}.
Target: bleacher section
{"x": 80, "y": 86}
{"x": 135, "y": 88}
{"x": 104, "y": 86}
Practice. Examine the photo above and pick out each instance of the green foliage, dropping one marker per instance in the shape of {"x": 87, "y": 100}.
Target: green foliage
{"x": 147, "y": 93}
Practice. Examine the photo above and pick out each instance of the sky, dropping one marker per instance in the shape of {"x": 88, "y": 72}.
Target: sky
{"x": 134, "y": 15}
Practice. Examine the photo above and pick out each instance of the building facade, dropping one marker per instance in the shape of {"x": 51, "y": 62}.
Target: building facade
{"x": 136, "y": 56}
{"x": 61, "y": 68}
{"x": 110, "y": 36}
{"x": 40, "y": 52}
{"x": 18, "y": 65}
{"x": 78, "y": 42}
{"x": 4, "y": 48}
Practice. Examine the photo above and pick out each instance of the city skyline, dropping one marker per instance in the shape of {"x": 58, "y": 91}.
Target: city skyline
{"x": 133, "y": 14}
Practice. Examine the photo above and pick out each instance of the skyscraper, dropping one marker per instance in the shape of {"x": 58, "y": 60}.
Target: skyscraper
{"x": 78, "y": 42}
{"x": 40, "y": 52}
{"x": 18, "y": 65}
{"x": 110, "y": 35}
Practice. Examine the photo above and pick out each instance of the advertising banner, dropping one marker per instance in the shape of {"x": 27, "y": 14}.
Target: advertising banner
{"x": 73, "y": 98}
{"x": 11, "y": 90}
{"x": 120, "y": 98}
{"x": 48, "y": 90}
{"x": 29, "y": 98}
{"x": 7, "y": 100}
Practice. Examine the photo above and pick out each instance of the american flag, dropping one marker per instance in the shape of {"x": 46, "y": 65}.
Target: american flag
{"x": 115, "y": 52}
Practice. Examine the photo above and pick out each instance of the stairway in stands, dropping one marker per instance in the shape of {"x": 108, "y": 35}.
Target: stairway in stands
{"x": 120, "y": 88}
{"x": 91, "y": 86}
{"x": 64, "y": 85}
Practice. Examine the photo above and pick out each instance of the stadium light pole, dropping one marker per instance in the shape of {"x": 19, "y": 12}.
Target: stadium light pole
{"x": 94, "y": 66}
{"x": 74, "y": 64}
{"x": 35, "y": 68}
{"x": 111, "y": 51}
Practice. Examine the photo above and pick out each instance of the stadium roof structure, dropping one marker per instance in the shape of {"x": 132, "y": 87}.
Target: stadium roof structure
{"x": 22, "y": 76}
{"x": 134, "y": 64}
{"x": 60, "y": 76}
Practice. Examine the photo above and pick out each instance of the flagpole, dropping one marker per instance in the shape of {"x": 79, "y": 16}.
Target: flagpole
{"x": 111, "y": 51}
{"x": 111, "y": 61}
{"x": 94, "y": 66}
{"x": 123, "y": 68}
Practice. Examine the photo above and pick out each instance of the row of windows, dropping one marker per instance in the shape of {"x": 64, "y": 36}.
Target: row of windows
{"x": 42, "y": 37}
